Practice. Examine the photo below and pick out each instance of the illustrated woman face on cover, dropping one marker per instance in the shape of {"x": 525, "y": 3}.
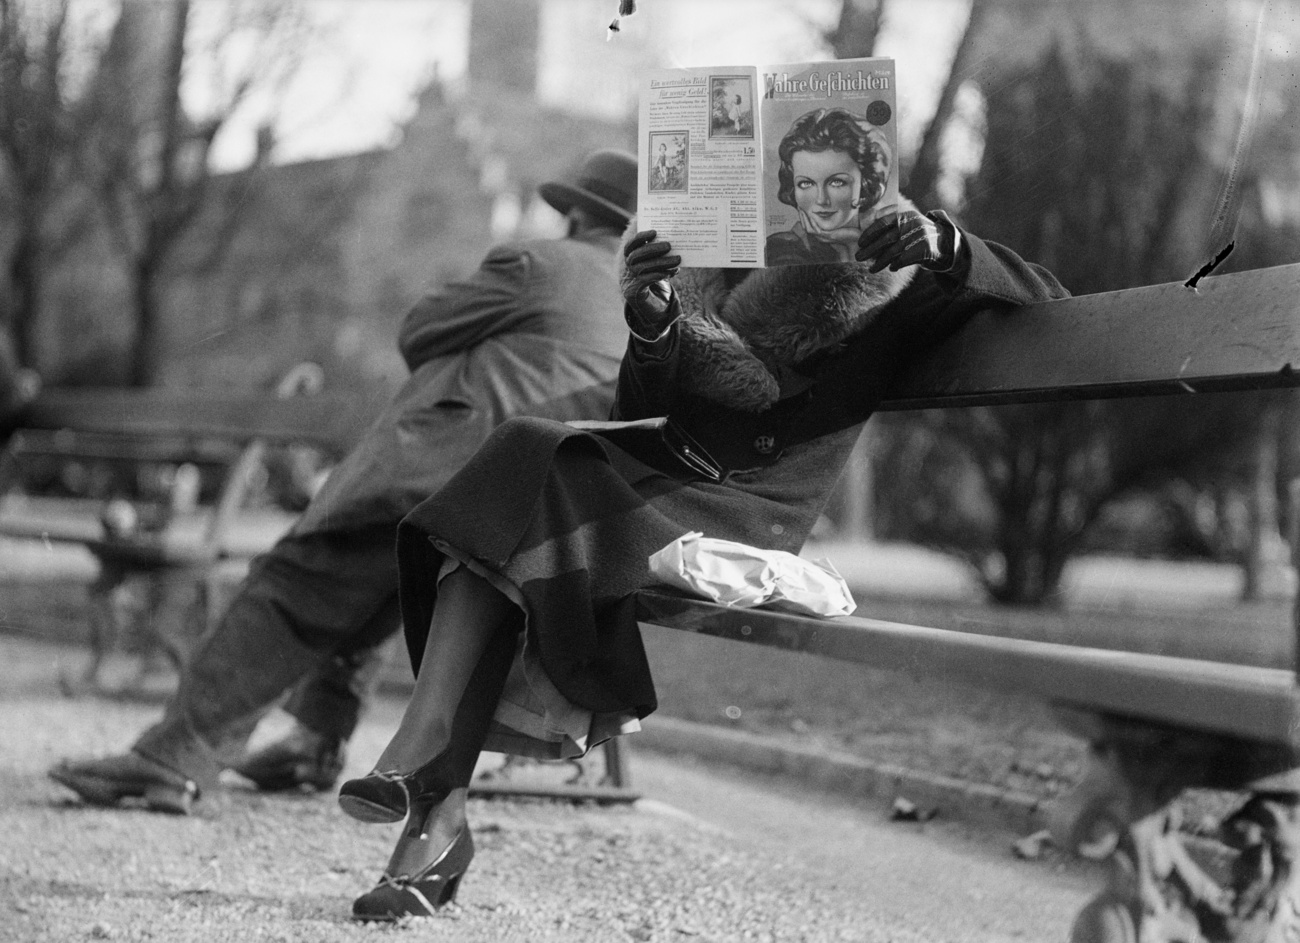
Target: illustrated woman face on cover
{"x": 827, "y": 185}
{"x": 832, "y": 166}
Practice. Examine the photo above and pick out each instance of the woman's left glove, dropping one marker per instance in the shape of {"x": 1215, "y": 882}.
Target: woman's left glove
{"x": 651, "y": 304}
{"x": 911, "y": 239}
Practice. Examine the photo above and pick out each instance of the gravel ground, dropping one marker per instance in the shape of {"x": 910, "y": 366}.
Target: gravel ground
{"x": 545, "y": 871}
{"x": 253, "y": 867}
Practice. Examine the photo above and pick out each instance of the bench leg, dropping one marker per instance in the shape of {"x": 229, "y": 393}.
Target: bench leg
{"x": 1126, "y": 810}
{"x": 614, "y": 786}
{"x": 178, "y": 607}
{"x": 103, "y": 626}
{"x": 616, "y": 771}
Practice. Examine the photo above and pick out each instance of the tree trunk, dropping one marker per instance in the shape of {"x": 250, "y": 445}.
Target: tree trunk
{"x": 859, "y": 490}
{"x": 854, "y": 36}
{"x": 1264, "y": 569}
{"x": 924, "y": 176}
{"x": 146, "y": 351}
{"x": 146, "y": 357}
{"x": 1037, "y": 536}
{"x": 24, "y": 283}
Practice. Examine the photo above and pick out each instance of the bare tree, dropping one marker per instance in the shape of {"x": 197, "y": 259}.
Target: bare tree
{"x": 1067, "y": 178}
{"x": 37, "y": 138}
{"x": 149, "y": 156}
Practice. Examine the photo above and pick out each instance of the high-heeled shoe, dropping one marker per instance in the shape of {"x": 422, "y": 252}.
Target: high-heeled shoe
{"x": 381, "y": 796}
{"x": 376, "y": 797}
{"x": 420, "y": 894}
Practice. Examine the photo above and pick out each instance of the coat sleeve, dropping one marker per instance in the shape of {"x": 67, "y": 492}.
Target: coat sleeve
{"x": 647, "y": 377}
{"x": 492, "y": 301}
{"x": 988, "y": 276}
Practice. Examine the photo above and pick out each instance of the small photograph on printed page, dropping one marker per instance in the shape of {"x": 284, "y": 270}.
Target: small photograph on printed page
{"x": 731, "y": 113}
{"x": 669, "y": 162}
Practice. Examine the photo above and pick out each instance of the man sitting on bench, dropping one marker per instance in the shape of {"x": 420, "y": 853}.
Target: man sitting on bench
{"x": 538, "y": 331}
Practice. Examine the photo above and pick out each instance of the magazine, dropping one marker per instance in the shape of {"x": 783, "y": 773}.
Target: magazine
{"x": 749, "y": 167}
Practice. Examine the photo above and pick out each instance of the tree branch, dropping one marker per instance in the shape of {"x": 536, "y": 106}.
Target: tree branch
{"x": 924, "y": 175}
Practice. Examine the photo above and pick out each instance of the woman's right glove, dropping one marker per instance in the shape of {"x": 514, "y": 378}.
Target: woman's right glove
{"x": 651, "y": 305}
{"x": 911, "y": 238}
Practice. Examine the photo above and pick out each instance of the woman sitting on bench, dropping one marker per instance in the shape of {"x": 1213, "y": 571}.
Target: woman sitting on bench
{"x": 517, "y": 576}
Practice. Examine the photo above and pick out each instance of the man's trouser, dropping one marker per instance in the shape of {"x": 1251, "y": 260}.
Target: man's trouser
{"x": 311, "y": 615}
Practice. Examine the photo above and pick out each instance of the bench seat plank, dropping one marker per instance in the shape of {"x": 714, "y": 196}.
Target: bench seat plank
{"x": 1235, "y": 332}
{"x": 1259, "y": 704}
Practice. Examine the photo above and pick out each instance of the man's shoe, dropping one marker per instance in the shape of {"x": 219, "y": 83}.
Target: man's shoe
{"x": 301, "y": 759}
{"x": 109, "y": 780}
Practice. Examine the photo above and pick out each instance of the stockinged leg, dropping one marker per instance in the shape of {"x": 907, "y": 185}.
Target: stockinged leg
{"x": 1165, "y": 886}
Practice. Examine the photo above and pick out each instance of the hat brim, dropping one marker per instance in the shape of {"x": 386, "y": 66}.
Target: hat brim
{"x": 564, "y": 197}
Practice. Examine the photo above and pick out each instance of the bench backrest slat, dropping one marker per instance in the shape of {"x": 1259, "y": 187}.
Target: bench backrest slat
{"x": 96, "y": 446}
{"x": 1235, "y": 332}
{"x": 331, "y": 420}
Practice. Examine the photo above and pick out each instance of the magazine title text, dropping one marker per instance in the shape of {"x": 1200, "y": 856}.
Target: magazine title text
{"x": 829, "y": 84}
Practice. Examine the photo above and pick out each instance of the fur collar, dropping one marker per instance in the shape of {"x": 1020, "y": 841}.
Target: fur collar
{"x": 735, "y": 341}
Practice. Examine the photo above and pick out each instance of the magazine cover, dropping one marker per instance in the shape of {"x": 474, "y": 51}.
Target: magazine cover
{"x": 744, "y": 167}
{"x": 830, "y": 145}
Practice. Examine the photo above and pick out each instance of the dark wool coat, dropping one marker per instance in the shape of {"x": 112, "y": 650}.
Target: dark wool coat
{"x": 568, "y": 519}
{"x": 535, "y": 331}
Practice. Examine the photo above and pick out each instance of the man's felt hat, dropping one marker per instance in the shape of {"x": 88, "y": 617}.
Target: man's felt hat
{"x": 605, "y": 184}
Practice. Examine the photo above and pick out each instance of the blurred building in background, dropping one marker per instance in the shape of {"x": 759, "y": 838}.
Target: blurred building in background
{"x": 320, "y": 259}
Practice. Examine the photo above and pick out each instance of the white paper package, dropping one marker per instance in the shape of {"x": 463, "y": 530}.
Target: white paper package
{"x": 735, "y": 574}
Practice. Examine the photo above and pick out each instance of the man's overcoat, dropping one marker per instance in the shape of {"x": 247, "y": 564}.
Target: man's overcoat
{"x": 536, "y": 331}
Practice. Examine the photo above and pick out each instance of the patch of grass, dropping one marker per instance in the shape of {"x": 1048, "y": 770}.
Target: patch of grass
{"x": 930, "y": 724}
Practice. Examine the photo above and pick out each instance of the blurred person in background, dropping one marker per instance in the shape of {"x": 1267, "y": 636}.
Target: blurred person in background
{"x": 535, "y": 331}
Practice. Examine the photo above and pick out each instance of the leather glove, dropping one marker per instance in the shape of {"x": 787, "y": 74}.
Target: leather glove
{"x": 649, "y": 297}
{"x": 912, "y": 239}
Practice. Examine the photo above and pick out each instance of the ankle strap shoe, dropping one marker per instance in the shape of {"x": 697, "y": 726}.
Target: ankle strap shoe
{"x": 420, "y": 894}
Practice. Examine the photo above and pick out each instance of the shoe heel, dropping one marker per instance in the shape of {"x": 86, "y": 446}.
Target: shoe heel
{"x": 449, "y": 890}
{"x": 376, "y": 797}
{"x": 173, "y": 800}
{"x": 372, "y": 813}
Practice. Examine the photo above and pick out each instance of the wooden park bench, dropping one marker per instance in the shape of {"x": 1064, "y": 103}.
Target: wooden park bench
{"x": 223, "y": 435}
{"x": 1157, "y": 725}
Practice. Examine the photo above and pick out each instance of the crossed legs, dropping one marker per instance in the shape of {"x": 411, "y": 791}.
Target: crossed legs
{"x": 425, "y": 770}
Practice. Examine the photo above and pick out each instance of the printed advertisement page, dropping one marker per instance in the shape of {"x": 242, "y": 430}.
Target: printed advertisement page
{"x": 830, "y": 150}
{"x": 700, "y": 164}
